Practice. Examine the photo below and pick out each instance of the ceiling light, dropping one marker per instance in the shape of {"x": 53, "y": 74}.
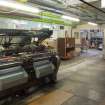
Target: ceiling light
{"x": 19, "y": 22}
{"x": 18, "y": 6}
{"x": 102, "y": 3}
{"x": 90, "y": 23}
{"x": 70, "y": 18}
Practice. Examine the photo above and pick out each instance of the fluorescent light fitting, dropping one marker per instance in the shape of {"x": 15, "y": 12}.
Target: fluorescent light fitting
{"x": 102, "y": 3}
{"x": 70, "y": 18}
{"x": 19, "y": 22}
{"x": 90, "y": 23}
{"x": 18, "y": 6}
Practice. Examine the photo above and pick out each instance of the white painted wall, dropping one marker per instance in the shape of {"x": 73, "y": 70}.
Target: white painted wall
{"x": 84, "y": 27}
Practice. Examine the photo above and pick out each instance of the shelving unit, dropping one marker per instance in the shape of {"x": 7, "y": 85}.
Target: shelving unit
{"x": 66, "y": 47}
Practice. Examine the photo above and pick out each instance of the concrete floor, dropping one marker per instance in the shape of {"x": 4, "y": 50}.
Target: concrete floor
{"x": 81, "y": 81}
{"x": 86, "y": 80}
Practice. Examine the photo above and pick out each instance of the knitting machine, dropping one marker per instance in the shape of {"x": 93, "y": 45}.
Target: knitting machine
{"x": 24, "y": 61}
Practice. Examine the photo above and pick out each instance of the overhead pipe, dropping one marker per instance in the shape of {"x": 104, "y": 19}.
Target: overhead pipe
{"x": 92, "y": 6}
{"x": 18, "y": 13}
{"x": 52, "y": 6}
{"x": 48, "y": 3}
{"x": 56, "y": 8}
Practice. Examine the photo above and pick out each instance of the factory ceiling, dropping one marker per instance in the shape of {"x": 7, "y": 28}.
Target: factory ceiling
{"x": 85, "y": 10}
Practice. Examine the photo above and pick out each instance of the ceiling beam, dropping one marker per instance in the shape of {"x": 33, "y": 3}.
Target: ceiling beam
{"x": 92, "y": 6}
